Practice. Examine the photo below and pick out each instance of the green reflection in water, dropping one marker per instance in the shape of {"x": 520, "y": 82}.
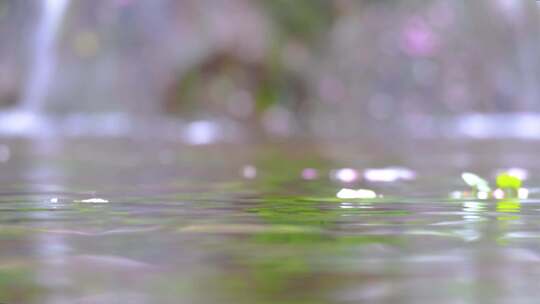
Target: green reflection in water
{"x": 299, "y": 256}
{"x": 509, "y": 211}
{"x": 509, "y": 206}
{"x": 17, "y": 285}
{"x": 303, "y": 257}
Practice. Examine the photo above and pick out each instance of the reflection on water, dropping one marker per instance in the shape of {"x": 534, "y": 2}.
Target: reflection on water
{"x": 128, "y": 221}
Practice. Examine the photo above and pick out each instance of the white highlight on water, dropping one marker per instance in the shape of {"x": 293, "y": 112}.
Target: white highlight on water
{"x": 389, "y": 174}
{"x": 347, "y": 193}
{"x": 43, "y": 54}
{"x": 249, "y": 172}
{"x": 346, "y": 175}
{"x": 201, "y": 132}
{"x": 93, "y": 200}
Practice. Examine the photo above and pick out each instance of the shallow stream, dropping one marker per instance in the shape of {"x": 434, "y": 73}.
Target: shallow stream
{"x": 139, "y": 221}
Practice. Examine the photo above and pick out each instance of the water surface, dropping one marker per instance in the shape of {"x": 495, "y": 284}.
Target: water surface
{"x": 139, "y": 221}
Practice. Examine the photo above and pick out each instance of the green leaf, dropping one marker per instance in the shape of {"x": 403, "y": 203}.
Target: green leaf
{"x": 507, "y": 181}
{"x": 475, "y": 182}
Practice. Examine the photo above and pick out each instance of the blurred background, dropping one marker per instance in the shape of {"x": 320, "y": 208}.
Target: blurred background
{"x": 340, "y": 68}
{"x": 318, "y": 98}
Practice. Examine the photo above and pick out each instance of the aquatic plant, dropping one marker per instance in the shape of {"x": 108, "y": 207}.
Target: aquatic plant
{"x": 508, "y": 185}
{"x": 477, "y": 183}
{"x": 507, "y": 181}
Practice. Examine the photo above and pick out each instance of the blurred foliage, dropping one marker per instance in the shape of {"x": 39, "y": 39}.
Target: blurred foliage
{"x": 214, "y": 82}
{"x": 380, "y": 59}
{"x": 305, "y": 20}
{"x": 268, "y": 81}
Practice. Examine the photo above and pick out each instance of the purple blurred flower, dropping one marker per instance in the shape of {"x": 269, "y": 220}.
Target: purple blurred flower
{"x": 418, "y": 39}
